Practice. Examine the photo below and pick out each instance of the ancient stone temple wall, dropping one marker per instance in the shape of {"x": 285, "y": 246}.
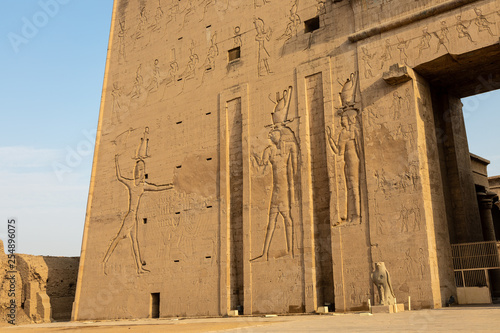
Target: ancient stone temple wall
{"x": 262, "y": 156}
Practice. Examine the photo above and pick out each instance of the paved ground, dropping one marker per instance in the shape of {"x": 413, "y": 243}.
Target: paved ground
{"x": 457, "y": 319}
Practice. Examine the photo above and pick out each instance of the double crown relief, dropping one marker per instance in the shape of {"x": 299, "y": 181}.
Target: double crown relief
{"x": 346, "y": 146}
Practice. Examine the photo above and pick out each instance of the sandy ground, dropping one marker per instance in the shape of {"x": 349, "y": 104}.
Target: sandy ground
{"x": 457, "y": 319}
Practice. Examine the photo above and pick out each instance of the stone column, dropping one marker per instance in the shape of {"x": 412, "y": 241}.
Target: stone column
{"x": 485, "y": 200}
{"x": 485, "y": 205}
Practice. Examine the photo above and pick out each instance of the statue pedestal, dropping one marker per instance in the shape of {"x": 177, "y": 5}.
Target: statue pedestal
{"x": 388, "y": 308}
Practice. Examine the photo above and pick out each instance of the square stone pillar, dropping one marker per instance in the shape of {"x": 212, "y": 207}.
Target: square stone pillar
{"x": 407, "y": 212}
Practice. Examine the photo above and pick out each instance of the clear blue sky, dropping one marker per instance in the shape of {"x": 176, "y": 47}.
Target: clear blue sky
{"x": 50, "y": 97}
{"x": 53, "y": 68}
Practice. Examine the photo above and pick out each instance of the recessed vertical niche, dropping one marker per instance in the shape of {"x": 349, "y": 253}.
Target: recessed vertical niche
{"x": 155, "y": 305}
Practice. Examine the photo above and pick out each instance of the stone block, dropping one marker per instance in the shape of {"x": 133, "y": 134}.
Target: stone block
{"x": 382, "y": 309}
{"x": 322, "y": 309}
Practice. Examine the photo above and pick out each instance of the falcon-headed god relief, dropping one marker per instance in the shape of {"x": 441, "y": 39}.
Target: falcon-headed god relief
{"x": 282, "y": 156}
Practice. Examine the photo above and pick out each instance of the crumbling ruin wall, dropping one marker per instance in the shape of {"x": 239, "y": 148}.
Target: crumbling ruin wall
{"x": 44, "y": 287}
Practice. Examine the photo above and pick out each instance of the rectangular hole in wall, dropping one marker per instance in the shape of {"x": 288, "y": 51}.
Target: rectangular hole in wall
{"x": 234, "y": 54}
{"x": 178, "y": 123}
{"x": 176, "y": 260}
{"x": 155, "y": 305}
{"x": 209, "y": 206}
{"x": 145, "y": 220}
{"x": 311, "y": 25}
{"x": 209, "y": 159}
{"x": 146, "y": 176}
{"x": 208, "y": 113}
{"x": 177, "y": 213}
{"x": 179, "y": 166}
{"x": 179, "y": 38}
{"x": 208, "y": 257}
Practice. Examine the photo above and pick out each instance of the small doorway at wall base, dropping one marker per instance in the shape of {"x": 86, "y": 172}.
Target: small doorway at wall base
{"x": 155, "y": 305}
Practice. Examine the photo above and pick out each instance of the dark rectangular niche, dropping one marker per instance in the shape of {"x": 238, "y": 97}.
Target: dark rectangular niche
{"x": 145, "y": 220}
{"x": 155, "y": 305}
{"x": 208, "y": 113}
{"x": 146, "y": 176}
{"x": 209, "y": 159}
{"x": 311, "y": 24}
{"x": 176, "y": 260}
{"x": 234, "y": 54}
{"x": 179, "y": 122}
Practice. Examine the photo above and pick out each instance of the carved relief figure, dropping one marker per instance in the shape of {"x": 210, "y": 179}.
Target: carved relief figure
{"x": 143, "y": 20}
{"x": 347, "y": 150}
{"x": 462, "y": 29}
{"x": 293, "y": 24}
{"x": 367, "y": 57}
{"x": 136, "y": 187}
{"x": 397, "y": 105}
{"x": 282, "y": 156}
{"x": 263, "y": 34}
{"x": 190, "y": 70}
{"x": 116, "y": 93}
{"x": 237, "y": 36}
{"x": 172, "y": 72}
{"x": 213, "y": 51}
{"x": 425, "y": 41}
{"x": 158, "y": 16}
{"x": 382, "y": 280}
{"x": 386, "y": 56}
{"x": 402, "y": 46}
{"x": 121, "y": 42}
{"x": 155, "y": 81}
{"x": 138, "y": 84}
{"x": 442, "y": 37}
{"x": 482, "y": 22}
{"x": 173, "y": 69}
